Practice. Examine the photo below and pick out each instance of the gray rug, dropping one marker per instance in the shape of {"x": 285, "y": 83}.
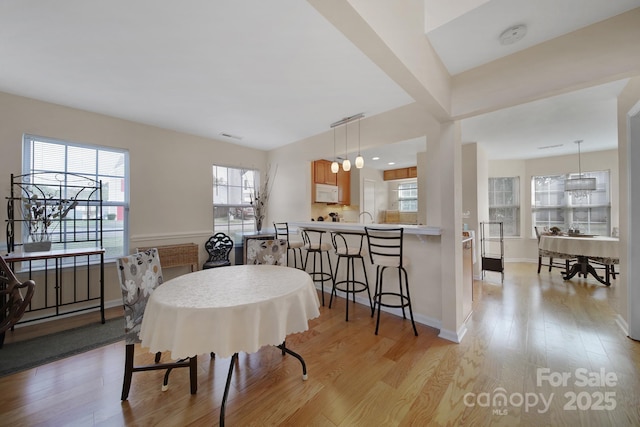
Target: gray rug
{"x": 18, "y": 356}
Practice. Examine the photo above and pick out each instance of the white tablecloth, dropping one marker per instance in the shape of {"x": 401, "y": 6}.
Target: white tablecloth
{"x": 592, "y": 247}
{"x": 228, "y": 310}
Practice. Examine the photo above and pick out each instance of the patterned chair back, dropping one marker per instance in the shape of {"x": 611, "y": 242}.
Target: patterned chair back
{"x": 272, "y": 251}
{"x": 139, "y": 275}
{"x": 15, "y": 297}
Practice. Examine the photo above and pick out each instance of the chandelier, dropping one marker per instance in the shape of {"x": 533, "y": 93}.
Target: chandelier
{"x": 580, "y": 187}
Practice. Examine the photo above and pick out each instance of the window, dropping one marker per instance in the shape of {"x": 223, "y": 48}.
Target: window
{"x": 232, "y": 209}
{"x": 551, "y": 206}
{"x": 111, "y": 166}
{"x": 504, "y": 204}
{"x": 408, "y": 197}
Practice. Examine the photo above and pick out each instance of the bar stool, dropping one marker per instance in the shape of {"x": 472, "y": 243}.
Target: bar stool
{"x": 282, "y": 232}
{"x": 348, "y": 246}
{"x": 385, "y": 250}
{"x": 313, "y": 243}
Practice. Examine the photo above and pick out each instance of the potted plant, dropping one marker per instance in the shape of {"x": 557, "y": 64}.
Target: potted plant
{"x": 41, "y": 216}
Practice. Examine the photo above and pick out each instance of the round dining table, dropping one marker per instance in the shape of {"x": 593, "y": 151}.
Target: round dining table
{"x": 602, "y": 249}
{"x": 228, "y": 310}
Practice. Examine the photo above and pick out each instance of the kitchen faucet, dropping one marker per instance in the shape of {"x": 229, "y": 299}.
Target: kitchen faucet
{"x": 365, "y": 212}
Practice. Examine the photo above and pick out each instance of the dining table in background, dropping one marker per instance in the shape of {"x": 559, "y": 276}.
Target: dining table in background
{"x": 601, "y": 249}
{"x": 229, "y": 310}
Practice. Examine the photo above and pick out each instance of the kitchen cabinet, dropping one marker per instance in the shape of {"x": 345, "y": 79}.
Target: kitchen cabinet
{"x": 321, "y": 171}
{"x": 344, "y": 187}
{"x": 401, "y": 173}
{"x": 322, "y": 174}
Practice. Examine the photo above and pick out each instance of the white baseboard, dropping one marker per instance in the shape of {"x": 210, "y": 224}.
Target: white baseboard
{"x": 622, "y": 324}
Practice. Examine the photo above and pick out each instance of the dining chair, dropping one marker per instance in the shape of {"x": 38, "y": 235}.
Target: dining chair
{"x": 566, "y": 264}
{"x": 13, "y": 301}
{"x": 385, "y": 247}
{"x": 139, "y": 275}
{"x": 294, "y": 246}
{"x": 218, "y": 247}
{"x": 266, "y": 252}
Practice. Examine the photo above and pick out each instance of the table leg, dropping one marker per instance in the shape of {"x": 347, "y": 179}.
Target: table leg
{"x": 297, "y": 356}
{"x": 583, "y": 267}
{"x": 234, "y": 358}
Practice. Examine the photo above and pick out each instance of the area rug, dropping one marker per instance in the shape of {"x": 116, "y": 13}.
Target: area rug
{"x": 18, "y": 356}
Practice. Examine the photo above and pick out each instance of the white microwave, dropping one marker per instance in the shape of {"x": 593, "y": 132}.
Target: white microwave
{"x": 326, "y": 193}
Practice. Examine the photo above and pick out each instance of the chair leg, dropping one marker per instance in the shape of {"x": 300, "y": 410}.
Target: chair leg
{"x": 539, "y": 263}
{"x": 406, "y": 283}
{"x": 128, "y": 371}
{"x": 550, "y": 263}
{"x": 193, "y": 374}
{"x": 158, "y": 356}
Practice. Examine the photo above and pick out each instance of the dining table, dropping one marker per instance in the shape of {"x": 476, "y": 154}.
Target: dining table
{"x": 228, "y": 310}
{"x": 601, "y": 249}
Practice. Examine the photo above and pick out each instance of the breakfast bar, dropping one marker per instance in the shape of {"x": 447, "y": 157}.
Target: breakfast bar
{"x": 422, "y": 248}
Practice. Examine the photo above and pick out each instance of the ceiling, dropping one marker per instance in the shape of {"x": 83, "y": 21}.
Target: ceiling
{"x": 267, "y": 74}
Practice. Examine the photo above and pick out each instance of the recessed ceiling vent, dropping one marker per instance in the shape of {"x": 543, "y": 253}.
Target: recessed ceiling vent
{"x": 513, "y": 34}
{"x": 228, "y": 135}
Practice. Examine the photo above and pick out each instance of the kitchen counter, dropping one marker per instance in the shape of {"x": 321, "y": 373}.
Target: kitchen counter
{"x": 422, "y": 246}
{"x": 423, "y": 230}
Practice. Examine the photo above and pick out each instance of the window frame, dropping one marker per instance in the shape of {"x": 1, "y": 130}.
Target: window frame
{"x": 412, "y": 199}
{"x": 29, "y": 166}
{"x": 515, "y": 207}
{"x": 569, "y": 207}
{"x": 244, "y": 208}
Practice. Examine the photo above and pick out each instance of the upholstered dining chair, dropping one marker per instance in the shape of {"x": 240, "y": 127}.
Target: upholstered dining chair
{"x": 267, "y": 252}
{"x": 293, "y": 246}
{"x": 139, "y": 275}
{"x": 15, "y": 297}
{"x": 551, "y": 263}
{"x": 218, "y": 247}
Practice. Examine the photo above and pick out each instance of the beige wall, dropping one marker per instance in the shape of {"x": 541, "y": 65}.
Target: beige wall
{"x": 171, "y": 176}
{"x": 525, "y": 247}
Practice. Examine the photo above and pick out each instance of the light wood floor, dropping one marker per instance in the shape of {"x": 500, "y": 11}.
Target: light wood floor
{"x": 532, "y": 322}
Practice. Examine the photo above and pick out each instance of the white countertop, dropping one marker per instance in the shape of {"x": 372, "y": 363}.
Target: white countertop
{"x": 424, "y": 230}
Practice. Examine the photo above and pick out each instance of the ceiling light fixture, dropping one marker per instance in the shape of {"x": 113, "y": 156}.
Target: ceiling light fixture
{"x": 346, "y": 164}
{"x": 334, "y": 165}
{"x": 580, "y": 187}
{"x": 359, "y": 159}
{"x": 513, "y": 34}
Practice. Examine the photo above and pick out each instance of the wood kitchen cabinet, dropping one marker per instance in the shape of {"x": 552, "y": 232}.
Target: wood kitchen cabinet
{"x": 344, "y": 187}
{"x": 401, "y": 173}
{"x": 322, "y": 174}
{"x": 321, "y": 170}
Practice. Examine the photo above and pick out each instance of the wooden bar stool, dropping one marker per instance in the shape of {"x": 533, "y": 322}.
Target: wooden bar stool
{"x": 313, "y": 243}
{"x": 348, "y": 246}
{"x": 385, "y": 251}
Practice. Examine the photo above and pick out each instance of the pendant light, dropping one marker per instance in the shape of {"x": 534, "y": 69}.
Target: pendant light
{"x": 580, "y": 187}
{"x": 346, "y": 164}
{"x": 334, "y": 165}
{"x": 359, "y": 159}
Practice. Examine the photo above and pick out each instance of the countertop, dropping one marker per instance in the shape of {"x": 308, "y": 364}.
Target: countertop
{"x": 424, "y": 230}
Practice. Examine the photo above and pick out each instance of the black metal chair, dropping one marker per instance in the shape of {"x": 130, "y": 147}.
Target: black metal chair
{"x": 386, "y": 251}
{"x": 218, "y": 247}
{"x": 348, "y": 246}
{"x": 295, "y": 246}
{"x": 139, "y": 275}
{"x": 314, "y": 245}
{"x": 12, "y": 300}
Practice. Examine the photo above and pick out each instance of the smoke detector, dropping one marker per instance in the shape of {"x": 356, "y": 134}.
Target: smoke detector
{"x": 513, "y": 34}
